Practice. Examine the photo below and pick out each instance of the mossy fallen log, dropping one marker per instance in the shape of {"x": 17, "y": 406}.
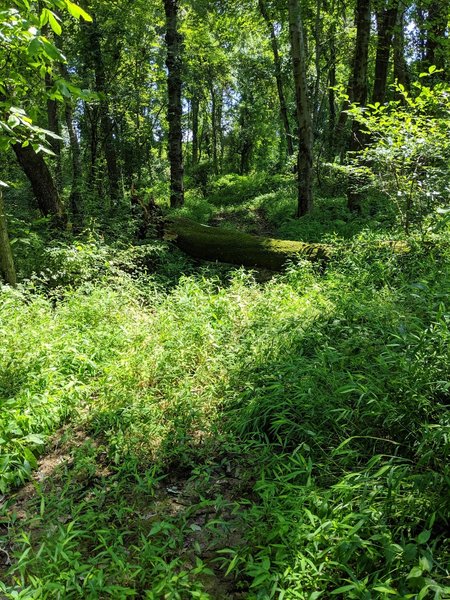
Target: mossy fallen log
{"x": 237, "y": 248}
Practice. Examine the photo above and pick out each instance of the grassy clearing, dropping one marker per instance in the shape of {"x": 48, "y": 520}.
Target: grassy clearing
{"x": 209, "y": 436}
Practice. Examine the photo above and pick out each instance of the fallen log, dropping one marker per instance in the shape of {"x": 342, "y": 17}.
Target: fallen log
{"x": 238, "y": 248}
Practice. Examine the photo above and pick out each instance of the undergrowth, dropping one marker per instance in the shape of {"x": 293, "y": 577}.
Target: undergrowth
{"x": 195, "y": 433}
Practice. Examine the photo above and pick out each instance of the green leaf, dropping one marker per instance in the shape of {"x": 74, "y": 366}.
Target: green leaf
{"x": 51, "y": 51}
{"x": 77, "y": 12}
{"x": 33, "y": 438}
{"x": 54, "y": 23}
{"x": 34, "y": 47}
{"x": 423, "y": 537}
{"x": 415, "y": 572}
{"x": 344, "y": 588}
{"x": 425, "y": 564}
{"x": 385, "y": 589}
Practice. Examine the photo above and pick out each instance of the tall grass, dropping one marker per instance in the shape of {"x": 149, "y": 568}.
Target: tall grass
{"x": 308, "y": 416}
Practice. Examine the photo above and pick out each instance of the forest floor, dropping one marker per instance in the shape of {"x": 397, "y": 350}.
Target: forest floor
{"x": 172, "y": 429}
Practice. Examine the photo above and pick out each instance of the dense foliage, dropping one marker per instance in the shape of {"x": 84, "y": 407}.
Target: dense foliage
{"x": 176, "y": 428}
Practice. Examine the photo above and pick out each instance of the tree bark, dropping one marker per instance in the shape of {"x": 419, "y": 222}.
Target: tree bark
{"x": 107, "y": 126}
{"x": 400, "y": 67}
{"x": 386, "y": 21}
{"x": 175, "y": 109}
{"x": 75, "y": 192}
{"x": 357, "y": 86}
{"x": 437, "y": 44}
{"x": 195, "y": 113}
{"x": 278, "y": 77}
{"x": 6, "y": 256}
{"x": 53, "y": 125}
{"x": 305, "y": 133}
{"x": 238, "y": 248}
{"x": 214, "y": 243}
{"x": 214, "y": 128}
{"x": 42, "y": 183}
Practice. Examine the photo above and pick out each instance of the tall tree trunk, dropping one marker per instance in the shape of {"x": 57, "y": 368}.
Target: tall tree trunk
{"x": 437, "y": 43}
{"x": 400, "y": 67}
{"x": 214, "y": 128}
{"x": 357, "y": 86}
{"x": 386, "y": 21}
{"x": 220, "y": 129}
{"x": 42, "y": 183}
{"x": 318, "y": 32}
{"x": 332, "y": 95}
{"x": 7, "y": 268}
{"x": 195, "y": 113}
{"x": 95, "y": 58}
{"x": 278, "y": 77}
{"x": 305, "y": 134}
{"x": 53, "y": 125}
{"x": 175, "y": 109}
{"x": 75, "y": 192}
{"x": 359, "y": 94}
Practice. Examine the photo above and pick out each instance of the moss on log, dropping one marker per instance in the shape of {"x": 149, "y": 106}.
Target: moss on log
{"x": 214, "y": 243}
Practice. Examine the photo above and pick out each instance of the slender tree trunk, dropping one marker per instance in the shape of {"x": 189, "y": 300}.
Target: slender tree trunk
{"x": 53, "y": 125}
{"x": 318, "y": 52}
{"x": 75, "y": 192}
{"x": 95, "y": 58}
{"x": 305, "y": 134}
{"x": 42, "y": 183}
{"x": 332, "y": 97}
{"x": 6, "y": 256}
{"x": 175, "y": 109}
{"x": 220, "y": 129}
{"x": 195, "y": 113}
{"x": 359, "y": 95}
{"x": 214, "y": 128}
{"x": 278, "y": 77}
{"x": 400, "y": 66}
{"x": 386, "y": 21}
{"x": 357, "y": 87}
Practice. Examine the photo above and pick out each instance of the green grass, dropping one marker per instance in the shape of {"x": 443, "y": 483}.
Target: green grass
{"x": 203, "y": 435}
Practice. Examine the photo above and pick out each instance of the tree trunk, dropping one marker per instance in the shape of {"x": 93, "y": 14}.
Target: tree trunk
{"x": 318, "y": 33}
{"x": 6, "y": 257}
{"x": 358, "y": 88}
{"x": 95, "y": 60}
{"x": 214, "y": 128}
{"x": 358, "y": 83}
{"x": 75, "y": 192}
{"x": 305, "y": 134}
{"x": 278, "y": 77}
{"x": 195, "y": 113}
{"x": 214, "y": 243}
{"x": 175, "y": 109}
{"x": 41, "y": 181}
{"x": 238, "y": 248}
{"x": 386, "y": 21}
{"x": 437, "y": 44}
{"x": 53, "y": 125}
{"x": 400, "y": 66}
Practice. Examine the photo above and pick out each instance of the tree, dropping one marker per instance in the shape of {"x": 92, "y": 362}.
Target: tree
{"x": 31, "y": 56}
{"x": 278, "y": 76}
{"x": 7, "y": 268}
{"x": 305, "y": 134}
{"x": 386, "y": 22}
{"x": 175, "y": 110}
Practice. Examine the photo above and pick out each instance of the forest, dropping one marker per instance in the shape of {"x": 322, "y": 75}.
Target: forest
{"x": 224, "y": 299}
